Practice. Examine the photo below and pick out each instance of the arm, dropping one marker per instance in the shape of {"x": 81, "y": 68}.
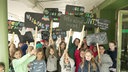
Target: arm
{"x": 72, "y": 62}
{"x": 17, "y": 62}
{"x": 107, "y": 61}
{"x": 31, "y": 58}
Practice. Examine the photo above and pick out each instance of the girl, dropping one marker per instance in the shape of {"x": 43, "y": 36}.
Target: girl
{"x": 67, "y": 64}
{"x": 52, "y": 60}
{"x": 39, "y": 64}
{"x": 105, "y": 61}
{"x": 61, "y": 49}
{"x": 79, "y": 57}
{"x": 112, "y": 52}
{"x": 12, "y": 48}
{"x": 72, "y": 47}
{"x": 89, "y": 64}
{"x": 20, "y": 63}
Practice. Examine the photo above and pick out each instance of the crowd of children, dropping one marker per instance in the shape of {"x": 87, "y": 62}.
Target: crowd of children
{"x": 48, "y": 57}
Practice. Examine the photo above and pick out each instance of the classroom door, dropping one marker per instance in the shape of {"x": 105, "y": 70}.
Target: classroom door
{"x": 122, "y": 41}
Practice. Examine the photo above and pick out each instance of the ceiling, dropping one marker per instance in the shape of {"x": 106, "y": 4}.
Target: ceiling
{"x": 17, "y": 8}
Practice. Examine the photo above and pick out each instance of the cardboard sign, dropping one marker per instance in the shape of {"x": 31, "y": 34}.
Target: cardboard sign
{"x": 102, "y": 23}
{"x": 68, "y": 22}
{"x": 100, "y": 38}
{"x": 74, "y": 10}
{"x": 37, "y": 19}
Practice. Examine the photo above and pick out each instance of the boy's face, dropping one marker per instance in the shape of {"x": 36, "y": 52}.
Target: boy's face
{"x": 88, "y": 56}
{"x": 112, "y": 46}
{"x": 39, "y": 55}
{"x": 17, "y": 55}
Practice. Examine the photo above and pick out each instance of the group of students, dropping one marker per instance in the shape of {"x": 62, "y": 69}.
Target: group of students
{"x": 48, "y": 57}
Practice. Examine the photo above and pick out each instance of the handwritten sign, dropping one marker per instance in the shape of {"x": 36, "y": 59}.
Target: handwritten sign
{"x": 37, "y": 19}
{"x": 68, "y": 22}
{"x": 15, "y": 25}
{"x": 102, "y": 23}
{"x": 74, "y": 10}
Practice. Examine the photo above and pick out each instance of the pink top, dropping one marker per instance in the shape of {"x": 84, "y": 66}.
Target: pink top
{"x": 77, "y": 59}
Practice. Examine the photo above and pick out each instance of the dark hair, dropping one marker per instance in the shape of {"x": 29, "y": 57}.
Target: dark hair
{"x": 113, "y": 42}
{"x": 37, "y": 42}
{"x": 62, "y": 43}
{"x": 84, "y": 37}
{"x": 2, "y": 64}
{"x": 82, "y": 46}
{"x": 76, "y": 39}
{"x": 102, "y": 46}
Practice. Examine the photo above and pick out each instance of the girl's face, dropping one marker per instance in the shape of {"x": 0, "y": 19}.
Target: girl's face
{"x": 17, "y": 54}
{"x": 62, "y": 46}
{"x": 77, "y": 42}
{"x": 39, "y": 55}
{"x": 88, "y": 56}
{"x": 66, "y": 60}
{"x": 51, "y": 51}
{"x": 112, "y": 46}
{"x": 82, "y": 54}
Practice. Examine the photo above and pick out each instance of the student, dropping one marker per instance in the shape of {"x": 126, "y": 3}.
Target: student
{"x": 79, "y": 57}
{"x": 2, "y": 67}
{"x": 72, "y": 47}
{"x": 23, "y": 47}
{"x": 94, "y": 50}
{"x": 112, "y": 52}
{"x": 20, "y": 63}
{"x": 90, "y": 64}
{"x": 39, "y": 64}
{"x": 62, "y": 47}
{"x": 52, "y": 60}
{"x": 105, "y": 61}
{"x": 67, "y": 63}
{"x": 12, "y": 49}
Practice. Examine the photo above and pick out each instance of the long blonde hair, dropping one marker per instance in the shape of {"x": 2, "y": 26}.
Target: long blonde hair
{"x": 93, "y": 63}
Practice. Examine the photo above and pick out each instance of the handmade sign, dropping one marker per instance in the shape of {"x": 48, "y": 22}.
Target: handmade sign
{"x": 15, "y": 25}
{"x": 100, "y": 38}
{"x": 102, "y": 23}
{"x": 37, "y": 19}
{"x": 53, "y": 13}
{"x": 67, "y": 22}
{"x": 59, "y": 32}
{"x": 74, "y": 10}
